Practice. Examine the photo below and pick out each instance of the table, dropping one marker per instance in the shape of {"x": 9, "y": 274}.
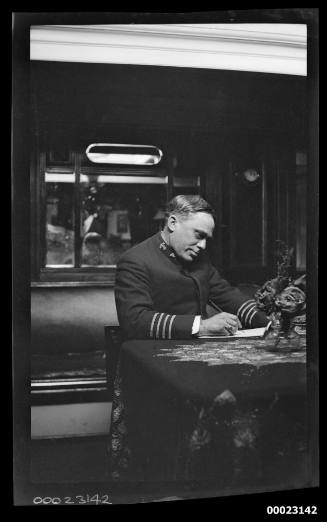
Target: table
{"x": 233, "y": 413}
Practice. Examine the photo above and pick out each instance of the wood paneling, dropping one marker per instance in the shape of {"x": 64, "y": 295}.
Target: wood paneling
{"x": 125, "y": 97}
{"x": 256, "y": 215}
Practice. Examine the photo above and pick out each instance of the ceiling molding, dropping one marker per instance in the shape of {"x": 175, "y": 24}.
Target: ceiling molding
{"x": 268, "y": 48}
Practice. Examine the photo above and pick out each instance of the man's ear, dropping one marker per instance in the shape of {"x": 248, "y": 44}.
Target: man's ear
{"x": 171, "y": 223}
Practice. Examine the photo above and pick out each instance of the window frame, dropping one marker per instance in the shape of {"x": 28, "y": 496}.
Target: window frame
{"x": 72, "y": 276}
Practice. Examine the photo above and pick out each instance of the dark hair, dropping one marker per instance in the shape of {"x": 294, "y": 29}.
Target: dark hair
{"x": 184, "y": 205}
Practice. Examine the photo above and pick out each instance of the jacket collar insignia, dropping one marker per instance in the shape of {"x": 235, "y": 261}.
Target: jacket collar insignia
{"x": 166, "y": 249}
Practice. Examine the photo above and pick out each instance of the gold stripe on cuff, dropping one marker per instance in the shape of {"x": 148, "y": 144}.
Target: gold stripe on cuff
{"x": 246, "y": 304}
{"x": 152, "y": 323}
{"x": 248, "y": 313}
{"x": 252, "y": 315}
{"x": 158, "y": 325}
{"x": 170, "y": 325}
{"x": 164, "y": 326}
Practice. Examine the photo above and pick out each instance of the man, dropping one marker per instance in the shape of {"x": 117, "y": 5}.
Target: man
{"x": 163, "y": 285}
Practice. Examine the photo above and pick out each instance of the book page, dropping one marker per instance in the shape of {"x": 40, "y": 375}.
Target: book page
{"x": 252, "y": 332}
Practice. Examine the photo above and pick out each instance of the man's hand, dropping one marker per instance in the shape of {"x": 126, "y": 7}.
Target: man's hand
{"x": 223, "y": 324}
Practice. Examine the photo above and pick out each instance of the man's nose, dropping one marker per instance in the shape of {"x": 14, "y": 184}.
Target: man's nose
{"x": 202, "y": 244}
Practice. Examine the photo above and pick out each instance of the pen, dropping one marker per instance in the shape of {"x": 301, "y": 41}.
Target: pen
{"x": 216, "y": 307}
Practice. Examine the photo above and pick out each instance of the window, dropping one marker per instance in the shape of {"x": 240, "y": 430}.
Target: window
{"x": 90, "y": 214}
{"x": 59, "y": 220}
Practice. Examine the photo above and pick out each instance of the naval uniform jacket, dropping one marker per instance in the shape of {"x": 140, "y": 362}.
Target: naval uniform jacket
{"x": 158, "y": 297}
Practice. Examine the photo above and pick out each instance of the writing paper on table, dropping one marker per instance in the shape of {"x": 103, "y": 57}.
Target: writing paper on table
{"x": 241, "y": 334}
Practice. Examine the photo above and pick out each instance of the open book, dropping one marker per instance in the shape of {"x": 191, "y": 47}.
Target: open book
{"x": 241, "y": 334}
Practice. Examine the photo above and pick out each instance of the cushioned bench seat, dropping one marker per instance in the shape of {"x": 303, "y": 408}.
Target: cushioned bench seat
{"x": 64, "y": 377}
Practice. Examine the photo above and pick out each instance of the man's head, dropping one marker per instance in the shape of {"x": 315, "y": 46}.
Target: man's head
{"x": 190, "y": 221}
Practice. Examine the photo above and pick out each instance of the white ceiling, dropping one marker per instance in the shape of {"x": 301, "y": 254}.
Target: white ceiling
{"x": 267, "y": 48}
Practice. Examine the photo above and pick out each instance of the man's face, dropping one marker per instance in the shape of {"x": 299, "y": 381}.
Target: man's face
{"x": 189, "y": 235}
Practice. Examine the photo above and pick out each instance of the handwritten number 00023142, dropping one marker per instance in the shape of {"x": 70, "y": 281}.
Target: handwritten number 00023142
{"x": 76, "y": 499}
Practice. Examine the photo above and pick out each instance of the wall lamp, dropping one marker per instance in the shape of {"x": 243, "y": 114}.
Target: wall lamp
{"x": 123, "y": 154}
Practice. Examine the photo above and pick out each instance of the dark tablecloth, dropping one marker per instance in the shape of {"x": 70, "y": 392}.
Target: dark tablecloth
{"x": 232, "y": 412}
